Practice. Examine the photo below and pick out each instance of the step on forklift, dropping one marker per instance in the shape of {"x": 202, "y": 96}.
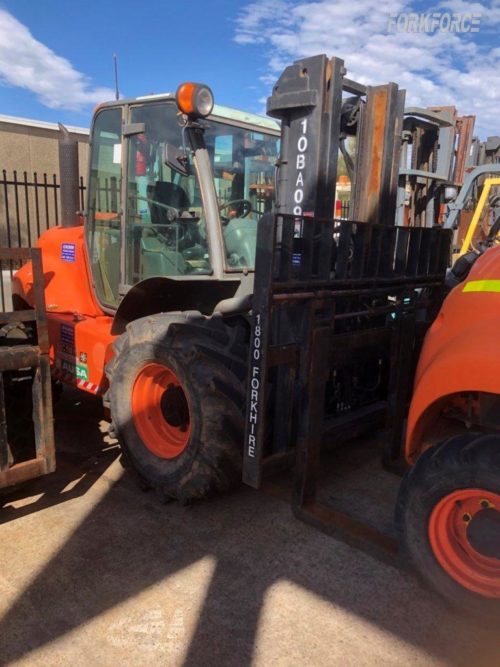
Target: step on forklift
{"x": 174, "y": 305}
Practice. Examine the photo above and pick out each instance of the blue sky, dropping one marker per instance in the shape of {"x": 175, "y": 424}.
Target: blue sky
{"x": 56, "y": 56}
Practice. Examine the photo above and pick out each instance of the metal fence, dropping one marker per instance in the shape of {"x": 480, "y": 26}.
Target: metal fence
{"x": 29, "y": 205}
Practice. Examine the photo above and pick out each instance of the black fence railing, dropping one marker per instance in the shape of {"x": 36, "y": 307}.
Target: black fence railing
{"x": 29, "y": 205}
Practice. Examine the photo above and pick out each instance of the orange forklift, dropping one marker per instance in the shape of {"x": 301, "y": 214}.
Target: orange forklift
{"x": 451, "y": 493}
{"x": 144, "y": 291}
{"x": 181, "y": 297}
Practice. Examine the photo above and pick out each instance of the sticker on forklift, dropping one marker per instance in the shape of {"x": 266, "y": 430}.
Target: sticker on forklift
{"x": 67, "y": 348}
{"x": 68, "y": 252}
{"x": 67, "y": 334}
{"x": 253, "y": 412}
{"x": 117, "y": 153}
{"x": 69, "y": 378}
{"x": 482, "y": 286}
{"x": 77, "y": 370}
{"x": 61, "y": 355}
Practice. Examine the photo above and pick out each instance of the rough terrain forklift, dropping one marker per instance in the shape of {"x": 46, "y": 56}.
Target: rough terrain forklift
{"x": 449, "y": 505}
{"x": 153, "y": 302}
{"x": 145, "y": 291}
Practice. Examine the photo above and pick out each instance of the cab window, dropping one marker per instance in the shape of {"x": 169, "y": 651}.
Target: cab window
{"x": 165, "y": 223}
{"x": 103, "y": 215}
{"x": 243, "y": 165}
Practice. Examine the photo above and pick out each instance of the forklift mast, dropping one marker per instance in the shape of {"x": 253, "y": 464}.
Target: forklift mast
{"x": 340, "y": 307}
{"x": 320, "y": 110}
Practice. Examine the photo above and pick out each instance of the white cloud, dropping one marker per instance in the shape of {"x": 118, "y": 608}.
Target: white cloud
{"x": 436, "y": 69}
{"x": 27, "y": 63}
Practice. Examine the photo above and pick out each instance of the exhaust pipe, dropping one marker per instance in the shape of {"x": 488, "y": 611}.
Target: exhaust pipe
{"x": 69, "y": 175}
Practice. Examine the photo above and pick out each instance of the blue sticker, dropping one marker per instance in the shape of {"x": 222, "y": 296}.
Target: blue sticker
{"x": 68, "y": 252}
{"x": 67, "y": 333}
{"x": 296, "y": 258}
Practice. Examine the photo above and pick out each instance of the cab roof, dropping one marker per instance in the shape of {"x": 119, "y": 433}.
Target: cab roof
{"x": 219, "y": 112}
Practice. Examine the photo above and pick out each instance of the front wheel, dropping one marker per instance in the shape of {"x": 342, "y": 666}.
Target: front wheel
{"x": 176, "y": 401}
{"x": 448, "y": 514}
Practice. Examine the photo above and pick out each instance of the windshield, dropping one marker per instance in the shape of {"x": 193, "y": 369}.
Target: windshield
{"x": 243, "y": 163}
{"x": 165, "y": 223}
{"x": 103, "y": 215}
{"x": 162, "y": 230}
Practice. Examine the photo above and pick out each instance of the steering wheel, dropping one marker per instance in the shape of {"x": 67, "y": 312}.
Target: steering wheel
{"x": 245, "y": 204}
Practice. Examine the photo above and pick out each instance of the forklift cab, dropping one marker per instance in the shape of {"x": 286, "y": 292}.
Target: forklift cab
{"x": 173, "y": 197}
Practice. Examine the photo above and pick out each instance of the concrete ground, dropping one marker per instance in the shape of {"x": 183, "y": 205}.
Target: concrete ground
{"x": 94, "y": 571}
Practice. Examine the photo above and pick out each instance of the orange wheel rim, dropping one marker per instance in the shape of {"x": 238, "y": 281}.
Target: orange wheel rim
{"x": 473, "y": 563}
{"x": 160, "y": 411}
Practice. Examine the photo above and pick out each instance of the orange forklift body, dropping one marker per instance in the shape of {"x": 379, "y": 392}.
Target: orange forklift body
{"x": 80, "y": 332}
{"x": 459, "y": 354}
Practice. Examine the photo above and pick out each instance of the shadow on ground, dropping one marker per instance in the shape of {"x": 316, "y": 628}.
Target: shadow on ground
{"x": 129, "y": 542}
{"x": 84, "y": 452}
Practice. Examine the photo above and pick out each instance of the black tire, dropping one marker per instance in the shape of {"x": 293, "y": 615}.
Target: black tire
{"x": 463, "y": 462}
{"x": 208, "y": 356}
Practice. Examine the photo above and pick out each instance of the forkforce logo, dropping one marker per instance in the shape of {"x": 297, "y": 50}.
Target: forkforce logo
{"x": 434, "y": 22}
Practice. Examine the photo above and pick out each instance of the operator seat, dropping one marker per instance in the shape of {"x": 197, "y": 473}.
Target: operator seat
{"x": 169, "y": 194}
{"x": 162, "y": 256}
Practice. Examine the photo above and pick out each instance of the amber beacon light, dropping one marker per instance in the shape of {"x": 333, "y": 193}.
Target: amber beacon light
{"x": 195, "y": 99}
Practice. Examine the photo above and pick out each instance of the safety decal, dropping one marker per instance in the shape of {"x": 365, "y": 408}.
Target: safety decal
{"x": 482, "y": 286}
{"x": 67, "y": 334}
{"x": 68, "y": 252}
{"x": 69, "y": 378}
{"x": 78, "y": 370}
{"x": 67, "y": 340}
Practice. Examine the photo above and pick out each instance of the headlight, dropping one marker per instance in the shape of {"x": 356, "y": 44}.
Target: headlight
{"x": 195, "y": 99}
